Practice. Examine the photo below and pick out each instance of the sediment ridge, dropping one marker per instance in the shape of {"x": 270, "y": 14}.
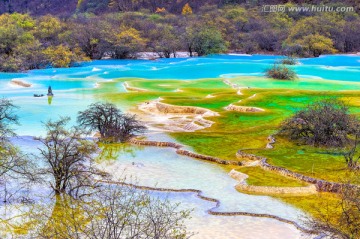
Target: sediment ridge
{"x": 269, "y": 190}
{"x": 321, "y": 185}
{"x": 131, "y": 88}
{"x": 184, "y": 152}
{"x": 20, "y": 83}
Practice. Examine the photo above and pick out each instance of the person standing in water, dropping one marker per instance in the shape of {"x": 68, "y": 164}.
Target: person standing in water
{"x": 50, "y": 93}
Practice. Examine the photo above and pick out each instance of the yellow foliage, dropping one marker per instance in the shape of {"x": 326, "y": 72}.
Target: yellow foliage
{"x": 160, "y": 10}
{"x": 79, "y": 4}
{"x": 187, "y": 10}
{"x": 59, "y": 56}
{"x": 130, "y": 37}
{"x": 317, "y": 44}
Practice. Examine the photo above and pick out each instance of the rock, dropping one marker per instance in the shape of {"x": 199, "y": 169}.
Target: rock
{"x": 244, "y": 109}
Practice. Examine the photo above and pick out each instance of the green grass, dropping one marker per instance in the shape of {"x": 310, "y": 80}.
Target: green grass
{"x": 315, "y": 162}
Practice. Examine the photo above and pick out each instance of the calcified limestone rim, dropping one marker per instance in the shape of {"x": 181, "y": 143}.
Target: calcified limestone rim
{"x": 212, "y": 211}
{"x": 235, "y": 86}
{"x": 183, "y": 151}
{"x": 243, "y": 186}
{"x": 321, "y": 185}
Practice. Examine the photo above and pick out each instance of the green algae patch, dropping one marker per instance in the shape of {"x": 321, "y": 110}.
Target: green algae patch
{"x": 321, "y": 163}
{"x": 301, "y": 83}
{"x": 315, "y": 205}
{"x": 261, "y": 177}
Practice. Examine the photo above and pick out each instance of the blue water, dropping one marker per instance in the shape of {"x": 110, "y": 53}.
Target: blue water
{"x": 66, "y": 81}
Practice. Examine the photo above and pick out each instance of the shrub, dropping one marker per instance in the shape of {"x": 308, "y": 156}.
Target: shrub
{"x": 281, "y": 72}
{"x": 289, "y": 61}
{"x": 323, "y": 123}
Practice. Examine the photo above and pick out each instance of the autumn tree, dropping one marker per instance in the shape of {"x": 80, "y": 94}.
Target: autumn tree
{"x": 48, "y": 29}
{"x": 15, "y": 36}
{"x": 110, "y": 122}
{"x": 187, "y": 10}
{"x": 316, "y": 35}
{"x": 126, "y": 42}
{"x": 62, "y": 56}
{"x": 316, "y": 45}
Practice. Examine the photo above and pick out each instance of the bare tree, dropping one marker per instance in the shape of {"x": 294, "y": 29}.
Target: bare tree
{"x": 7, "y": 118}
{"x": 323, "y": 123}
{"x": 352, "y": 157}
{"x": 114, "y": 212}
{"x": 110, "y": 122}
{"x": 68, "y": 158}
{"x": 16, "y": 171}
{"x": 340, "y": 221}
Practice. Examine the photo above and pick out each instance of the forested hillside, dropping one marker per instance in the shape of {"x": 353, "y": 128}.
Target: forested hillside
{"x": 69, "y": 7}
{"x": 72, "y": 35}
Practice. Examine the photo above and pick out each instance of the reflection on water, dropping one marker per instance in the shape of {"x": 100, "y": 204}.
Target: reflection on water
{"x": 50, "y": 98}
{"x": 110, "y": 152}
